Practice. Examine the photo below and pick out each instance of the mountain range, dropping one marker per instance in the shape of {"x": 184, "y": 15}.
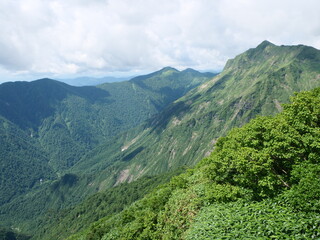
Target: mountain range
{"x": 47, "y": 126}
{"x": 255, "y": 83}
{"x": 92, "y": 81}
{"x": 61, "y": 144}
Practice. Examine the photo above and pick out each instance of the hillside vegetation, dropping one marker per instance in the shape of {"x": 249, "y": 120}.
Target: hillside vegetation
{"x": 102, "y": 204}
{"x": 255, "y": 83}
{"x": 261, "y": 181}
{"x": 68, "y": 121}
{"x": 23, "y": 164}
{"x": 82, "y": 146}
{"x": 49, "y": 125}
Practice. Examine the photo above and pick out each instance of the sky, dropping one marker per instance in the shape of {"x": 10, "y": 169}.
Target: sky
{"x": 72, "y": 38}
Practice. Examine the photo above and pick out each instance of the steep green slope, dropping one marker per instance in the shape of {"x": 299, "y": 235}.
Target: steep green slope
{"x": 255, "y": 82}
{"x": 68, "y": 121}
{"x": 134, "y": 101}
{"x": 261, "y": 181}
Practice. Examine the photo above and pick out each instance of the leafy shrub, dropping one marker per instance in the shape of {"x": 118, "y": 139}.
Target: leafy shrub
{"x": 255, "y": 220}
{"x": 305, "y": 194}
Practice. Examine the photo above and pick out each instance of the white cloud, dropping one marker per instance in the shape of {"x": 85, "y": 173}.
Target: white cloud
{"x": 57, "y": 37}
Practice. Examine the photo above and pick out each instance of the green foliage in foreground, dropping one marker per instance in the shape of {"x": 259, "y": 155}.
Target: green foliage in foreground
{"x": 261, "y": 181}
{"x": 256, "y": 220}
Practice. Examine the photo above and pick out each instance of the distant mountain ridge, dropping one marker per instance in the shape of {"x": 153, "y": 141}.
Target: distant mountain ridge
{"x": 27, "y": 104}
{"x": 92, "y": 81}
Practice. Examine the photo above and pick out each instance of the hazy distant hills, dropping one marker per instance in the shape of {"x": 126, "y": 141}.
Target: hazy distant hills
{"x": 92, "y": 81}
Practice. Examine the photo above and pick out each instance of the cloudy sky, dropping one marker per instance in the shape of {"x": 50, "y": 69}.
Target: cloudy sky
{"x": 67, "y": 38}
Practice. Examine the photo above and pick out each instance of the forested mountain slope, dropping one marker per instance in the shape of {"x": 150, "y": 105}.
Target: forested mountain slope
{"x": 23, "y": 164}
{"x": 68, "y": 121}
{"x": 254, "y": 83}
{"x": 46, "y": 126}
{"x": 261, "y": 181}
